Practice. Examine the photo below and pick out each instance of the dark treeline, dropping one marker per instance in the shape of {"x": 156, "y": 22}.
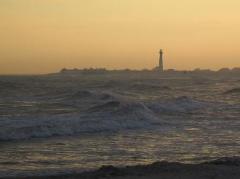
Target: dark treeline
{"x": 195, "y": 71}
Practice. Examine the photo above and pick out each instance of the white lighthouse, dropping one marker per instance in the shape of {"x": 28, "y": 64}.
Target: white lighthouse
{"x": 161, "y": 61}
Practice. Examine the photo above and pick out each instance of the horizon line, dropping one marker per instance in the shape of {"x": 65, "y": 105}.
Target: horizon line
{"x": 120, "y": 69}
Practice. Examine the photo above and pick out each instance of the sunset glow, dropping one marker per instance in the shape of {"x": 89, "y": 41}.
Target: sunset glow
{"x": 43, "y": 36}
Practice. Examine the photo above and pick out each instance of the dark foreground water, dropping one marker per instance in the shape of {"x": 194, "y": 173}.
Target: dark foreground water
{"x": 61, "y": 124}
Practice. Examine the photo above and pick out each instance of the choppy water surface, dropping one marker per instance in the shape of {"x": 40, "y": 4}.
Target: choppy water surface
{"x": 52, "y": 124}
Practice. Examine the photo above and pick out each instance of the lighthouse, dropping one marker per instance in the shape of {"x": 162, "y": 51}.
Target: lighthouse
{"x": 161, "y": 61}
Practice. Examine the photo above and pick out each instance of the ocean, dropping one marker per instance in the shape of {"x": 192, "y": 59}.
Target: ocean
{"x": 57, "y": 124}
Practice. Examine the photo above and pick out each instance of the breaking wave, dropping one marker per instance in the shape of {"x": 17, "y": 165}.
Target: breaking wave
{"x": 105, "y": 112}
{"x": 177, "y": 105}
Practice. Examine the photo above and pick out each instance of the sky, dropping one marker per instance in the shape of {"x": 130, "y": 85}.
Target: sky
{"x": 43, "y": 36}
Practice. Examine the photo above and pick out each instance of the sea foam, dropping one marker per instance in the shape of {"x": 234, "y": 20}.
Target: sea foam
{"x": 104, "y": 111}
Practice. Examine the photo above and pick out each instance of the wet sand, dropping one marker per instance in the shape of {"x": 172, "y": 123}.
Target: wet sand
{"x": 224, "y": 168}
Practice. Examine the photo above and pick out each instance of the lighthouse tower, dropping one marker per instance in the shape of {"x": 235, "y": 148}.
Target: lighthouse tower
{"x": 161, "y": 61}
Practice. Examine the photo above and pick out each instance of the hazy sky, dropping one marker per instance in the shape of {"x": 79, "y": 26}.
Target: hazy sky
{"x": 40, "y": 36}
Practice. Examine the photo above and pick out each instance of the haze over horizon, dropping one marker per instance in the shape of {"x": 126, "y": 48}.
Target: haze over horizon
{"x": 45, "y": 36}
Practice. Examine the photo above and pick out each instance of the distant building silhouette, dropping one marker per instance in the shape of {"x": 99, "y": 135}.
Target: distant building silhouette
{"x": 161, "y": 61}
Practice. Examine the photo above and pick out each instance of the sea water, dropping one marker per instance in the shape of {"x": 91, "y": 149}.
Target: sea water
{"x": 69, "y": 123}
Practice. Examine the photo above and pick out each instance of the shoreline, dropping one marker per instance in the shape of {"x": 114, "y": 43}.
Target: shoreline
{"x": 222, "y": 168}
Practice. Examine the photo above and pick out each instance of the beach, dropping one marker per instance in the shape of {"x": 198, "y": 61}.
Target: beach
{"x": 224, "y": 168}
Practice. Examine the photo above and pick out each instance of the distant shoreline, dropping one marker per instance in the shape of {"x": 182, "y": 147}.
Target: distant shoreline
{"x": 235, "y": 70}
{"x": 154, "y": 70}
{"x": 223, "y": 168}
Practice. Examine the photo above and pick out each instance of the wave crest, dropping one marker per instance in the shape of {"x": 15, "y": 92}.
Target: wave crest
{"x": 107, "y": 112}
{"x": 177, "y": 105}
